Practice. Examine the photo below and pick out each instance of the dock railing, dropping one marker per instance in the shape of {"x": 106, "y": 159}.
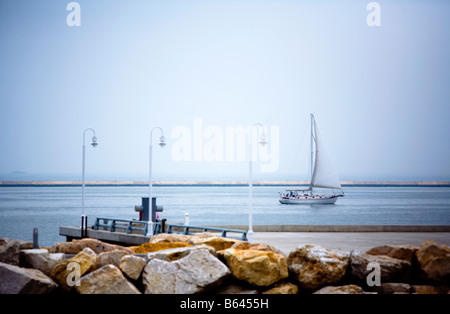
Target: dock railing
{"x": 140, "y": 226}
{"x": 129, "y": 226}
{"x": 186, "y": 230}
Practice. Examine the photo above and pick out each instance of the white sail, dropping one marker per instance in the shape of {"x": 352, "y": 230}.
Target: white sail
{"x": 324, "y": 175}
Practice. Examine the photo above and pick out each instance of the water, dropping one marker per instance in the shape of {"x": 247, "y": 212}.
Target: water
{"x": 47, "y": 208}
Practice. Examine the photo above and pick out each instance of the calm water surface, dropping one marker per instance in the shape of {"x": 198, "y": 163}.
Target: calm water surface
{"x": 47, "y": 208}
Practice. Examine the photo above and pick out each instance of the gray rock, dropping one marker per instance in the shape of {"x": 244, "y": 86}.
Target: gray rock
{"x": 314, "y": 266}
{"x": 18, "y": 280}
{"x": 10, "y": 250}
{"x": 112, "y": 257}
{"x": 393, "y": 288}
{"x": 132, "y": 266}
{"x": 391, "y": 269}
{"x": 194, "y": 273}
{"x": 40, "y": 259}
{"x": 177, "y": 253}
{"x": 106, "y": 280}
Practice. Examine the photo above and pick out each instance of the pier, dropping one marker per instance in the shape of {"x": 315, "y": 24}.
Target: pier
{"x": 288, "y": 236}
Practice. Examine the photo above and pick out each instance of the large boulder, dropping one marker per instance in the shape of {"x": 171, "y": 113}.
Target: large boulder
{"x": 404, "y": 252}
{"x": 218, "y": 243}
{"x": 18, "y": 280}
{"x": 40, "y": 259}
{"x": 196, "y": 272}
{"x": 67, "y": 273}
{"x": 257, "y": 267}
{"x": 315, "y": 266}
{"x": 391, "y": 269}
{"x": 393, "y": 288}
{"x": 106, "y": 280}
{"x": 434, "y": 262}
{"x": 10, "y": 250}
{"x": 157, "y": 246}
{"x": 112, "y": 257}
{"x": 132, "y": 266}
{"x": 177, "y": 253}
{"x": 76, "y": 246}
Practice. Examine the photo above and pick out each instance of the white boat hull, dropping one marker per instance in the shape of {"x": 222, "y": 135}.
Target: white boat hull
{"x": 310, "y": 200}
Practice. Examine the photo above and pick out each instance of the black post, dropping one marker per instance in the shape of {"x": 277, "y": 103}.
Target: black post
{"x": 35, "y": 239}
{"x": 83, "y": 226}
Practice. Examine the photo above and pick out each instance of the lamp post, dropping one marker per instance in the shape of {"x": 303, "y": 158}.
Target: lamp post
{"x": 162, "y": 143}
{"x": 262, "y": 141}
{"x": 83, "y": 215}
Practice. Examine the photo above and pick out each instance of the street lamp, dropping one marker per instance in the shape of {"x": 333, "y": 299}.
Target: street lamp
{"x": 162, "y": 143}
{"x": 262, "y": 141}
{"x": 83, "y": 216}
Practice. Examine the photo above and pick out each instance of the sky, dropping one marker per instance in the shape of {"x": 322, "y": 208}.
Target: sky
{"x": 375, "y": 78}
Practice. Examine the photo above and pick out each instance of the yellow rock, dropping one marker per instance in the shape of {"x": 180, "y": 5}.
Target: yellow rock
{"x": 218, "y": 243}
{"x": 260, "y": 268}
{"x": 153, "y": 247}
{"x": 67, "y": 272}
{"x": 77, "y": 246}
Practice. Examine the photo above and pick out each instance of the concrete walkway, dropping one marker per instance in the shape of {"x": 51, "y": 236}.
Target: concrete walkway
{"x": 347, "y": 241}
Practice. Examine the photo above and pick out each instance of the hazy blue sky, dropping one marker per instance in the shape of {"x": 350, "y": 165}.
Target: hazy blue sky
{"x": 380, "y": 94}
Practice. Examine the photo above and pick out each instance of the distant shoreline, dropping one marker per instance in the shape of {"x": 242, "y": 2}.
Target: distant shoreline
{"x": 220, "y": 183}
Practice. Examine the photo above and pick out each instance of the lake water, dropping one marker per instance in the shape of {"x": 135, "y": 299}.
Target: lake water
{"x": 47, "y": 208}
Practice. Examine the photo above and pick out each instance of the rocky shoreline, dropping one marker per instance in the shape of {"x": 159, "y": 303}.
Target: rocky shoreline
{"x": 205, "y": 263}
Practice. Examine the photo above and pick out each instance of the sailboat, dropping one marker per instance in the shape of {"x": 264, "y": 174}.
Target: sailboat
{"x": 323, "y": 175}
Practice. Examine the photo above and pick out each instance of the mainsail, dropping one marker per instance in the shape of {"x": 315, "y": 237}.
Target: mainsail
{"x": 324, "y": 175}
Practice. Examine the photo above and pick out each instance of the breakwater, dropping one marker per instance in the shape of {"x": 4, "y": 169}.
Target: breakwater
{"x": 222, "y": 183}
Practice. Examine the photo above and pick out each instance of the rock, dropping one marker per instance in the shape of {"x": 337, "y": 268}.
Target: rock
{"x": 347, "y": 289}
{"x": 106, "y": 280}
{"x": 391, "y": 269}
{"x": 244, "y": 245}
{"x": 112, "y": 257}
{"x": 316, "y": 266}
{"x": 403, "y": 252}
{"x": 393, "y": 288}
{"x": 67, "y": 272}
{"x": 76, "y": 246}
{"x": 132, "y": 266}
{"x": 177, "y": 253}
{"x": 237, "y": 288}
{"x": 283, "y": 288}
{"x": 425, "y": 289}
{"x": 218, "y": 243}
{"x": 434, "y": 262}
{"x": 170, "y": 237}
{"x": 18, "y": 280}
{"x": 10, "y": 250}
{"x": 260, "y": 268}
{"x": 158, "y": 246}
{"x": 196, "y": 272}
{"x": 40, "y": 259}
